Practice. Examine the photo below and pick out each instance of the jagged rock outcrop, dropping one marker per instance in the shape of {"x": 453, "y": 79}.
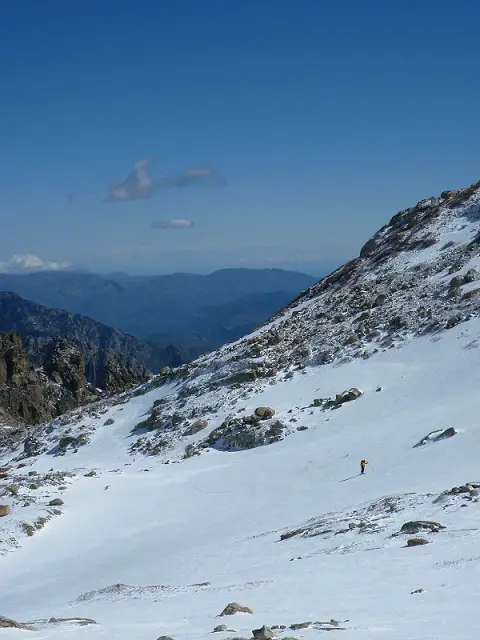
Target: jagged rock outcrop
{"x": 30, "y": 397}
{"x": 118, "y": 376}
{"x": 64, "y": 365}
{"x": 13, "y": 361}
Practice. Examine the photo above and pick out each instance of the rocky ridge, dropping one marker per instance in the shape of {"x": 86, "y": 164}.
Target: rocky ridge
{"x": 30, "y": 396}
{"x": 418, "y": 275}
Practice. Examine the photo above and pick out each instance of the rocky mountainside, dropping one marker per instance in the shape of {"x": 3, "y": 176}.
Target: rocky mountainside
{"x": 198, "y": 312}
{"x": 417, "y": 276}
{"x": 28, "y": 396}
{"x": 377, "y": 361}
{"x": 103, "y": 349}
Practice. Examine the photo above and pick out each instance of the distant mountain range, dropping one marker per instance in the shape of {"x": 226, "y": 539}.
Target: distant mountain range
{"x": 100, "y": 346}
{"x": 197, "y": 312}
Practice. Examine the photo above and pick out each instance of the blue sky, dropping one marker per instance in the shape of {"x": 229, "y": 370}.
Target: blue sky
{"x": 324, "y": 117}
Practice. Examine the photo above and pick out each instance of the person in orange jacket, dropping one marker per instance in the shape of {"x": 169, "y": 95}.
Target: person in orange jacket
{"x": 363, "y": 464}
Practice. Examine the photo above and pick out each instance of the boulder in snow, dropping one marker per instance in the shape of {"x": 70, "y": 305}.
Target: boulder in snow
{"x": 7, "y": 623}
{"x": 300, "y": 625}
{"x": 264, "y": 413}
{"x": 416, "y": 542}
{"x": 348, "y": 395}
{"x": 435, "y": 436}
{"x": 233, "y": 607}
{"x": 472, "y": 275}
{"x": 380, "y": 300}
{"x": 13, "y": 489}
{"x": 415, "y": 526}
{"x": 264, "y": 633}
{"x": 196, "y": 427}
{"x": 82, "y": 622}
{"x": 447, "y": 433}
{"x": 4, "y": 510}
{"x": 291, "y": 534}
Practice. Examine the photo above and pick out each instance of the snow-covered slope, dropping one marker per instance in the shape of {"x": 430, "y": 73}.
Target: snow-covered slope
{"x": 184, "y": 495}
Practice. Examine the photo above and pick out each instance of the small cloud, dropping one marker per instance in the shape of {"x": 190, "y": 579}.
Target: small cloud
{"x": 139, "y": 184}
{"x": 172, "y": 224}
{"x": 29, "y": 263}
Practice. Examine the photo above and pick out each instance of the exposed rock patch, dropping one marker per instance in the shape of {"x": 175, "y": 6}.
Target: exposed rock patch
{"x": 416, "y": 526}
{"x": 436, "y": 436}
{"x": 416, "y": 542}
{"x": 264, "y": 633}
{"x": 233, "y": 607}
{"x": 7, "y": 623}
{"x": 264, "y": 413}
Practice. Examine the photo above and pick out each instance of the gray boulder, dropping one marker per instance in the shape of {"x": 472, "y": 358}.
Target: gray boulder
{"x": 436, "y": 436}
{"x": 380, "y": 300}
{"x": 415, "y": 526}
{"x": 348, "y": 395}
{"x": 264, "y": 633}
{"x": 416, "y": 542}
{"x": 447, "y": 433}
{"x": 472, "y": 275}
{"x": 197, "y": 426}
{"x": 264, "y": 413}
{"x": 233, "y": 607}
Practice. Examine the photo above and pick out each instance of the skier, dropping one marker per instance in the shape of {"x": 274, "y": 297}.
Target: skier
{"x": 363, "y": 464}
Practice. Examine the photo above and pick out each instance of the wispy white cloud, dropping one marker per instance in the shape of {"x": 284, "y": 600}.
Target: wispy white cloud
{"x": 29, "y": 263}
{"x": 173, "y": 224}
{"x": 139, "y": 184}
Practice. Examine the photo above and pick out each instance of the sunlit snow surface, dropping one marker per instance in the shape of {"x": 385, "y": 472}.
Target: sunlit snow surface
{"x": 163, "y": 531}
